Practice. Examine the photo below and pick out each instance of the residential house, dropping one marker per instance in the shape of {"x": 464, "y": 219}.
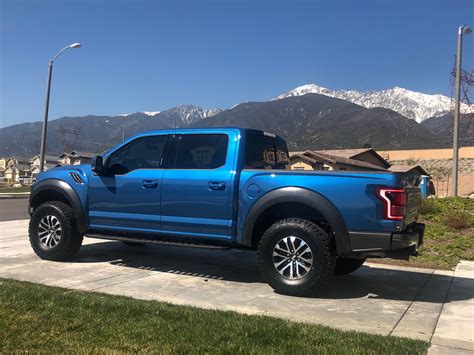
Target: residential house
{"x": 3, "y": 165}
{"x": 76, "y": 158}
{"x": 17, "y": 170}
{"x": 319, "y": 160}
{"x": 416, "y": 169}
{"x": 49, "y": 163}
{"x": 64, "y": 159}
{"x": 301, "y": 161}
{"x": 367, "y": 155}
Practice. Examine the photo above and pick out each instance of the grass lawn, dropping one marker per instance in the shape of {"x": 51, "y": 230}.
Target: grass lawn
{"x": 5, "y": 190}
{"x": 37, "y": 318}
{"x": 449, "y": 234}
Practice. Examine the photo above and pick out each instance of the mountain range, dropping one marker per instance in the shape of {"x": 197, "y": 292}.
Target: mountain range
{"x": 306, "y": 120}
{"x": 317, "y": 121}
{"x": 93, "y": 133}
{"x": 411, "y": 104}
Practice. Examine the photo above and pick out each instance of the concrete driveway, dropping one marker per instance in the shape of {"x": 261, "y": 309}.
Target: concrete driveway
{"x": 431, "y": 305}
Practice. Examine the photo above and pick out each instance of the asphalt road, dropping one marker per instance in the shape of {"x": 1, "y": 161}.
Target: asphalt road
{"x": 13, "y": 208}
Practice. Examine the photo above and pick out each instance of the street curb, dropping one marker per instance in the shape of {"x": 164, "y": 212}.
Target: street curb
{"x": 13, "y": 195}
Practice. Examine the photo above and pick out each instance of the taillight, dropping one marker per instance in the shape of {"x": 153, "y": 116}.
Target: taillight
{"x": 394, "y": 203}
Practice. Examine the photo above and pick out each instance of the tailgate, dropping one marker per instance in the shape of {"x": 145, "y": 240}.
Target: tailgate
{"x": 413, "y": 205}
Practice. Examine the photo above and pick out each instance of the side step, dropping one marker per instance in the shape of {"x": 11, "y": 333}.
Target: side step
{"x": 158, "y": 241}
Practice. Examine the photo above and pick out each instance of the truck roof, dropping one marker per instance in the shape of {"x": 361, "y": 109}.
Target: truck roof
{"x": 206, "y": 129}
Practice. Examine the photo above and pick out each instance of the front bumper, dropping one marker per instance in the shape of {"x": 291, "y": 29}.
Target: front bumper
{"x": 397, "y": 245}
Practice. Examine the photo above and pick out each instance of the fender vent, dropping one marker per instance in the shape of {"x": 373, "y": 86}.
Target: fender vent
{"x": 76, "y": 177}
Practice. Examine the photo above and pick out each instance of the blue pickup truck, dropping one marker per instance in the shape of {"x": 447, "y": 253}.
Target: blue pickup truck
{"x": 232, "y": 187}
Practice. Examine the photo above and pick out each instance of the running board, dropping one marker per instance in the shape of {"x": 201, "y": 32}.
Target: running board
{"x": 158, "y": 241}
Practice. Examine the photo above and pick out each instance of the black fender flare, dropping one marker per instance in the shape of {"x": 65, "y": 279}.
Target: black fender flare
{"x": 68, "y": 193}
{"x": 306, "y": 197}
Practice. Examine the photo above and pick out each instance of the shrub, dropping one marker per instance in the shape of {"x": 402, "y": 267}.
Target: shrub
{"x": 457, "y": 219}
{"x": 429, "y": 206}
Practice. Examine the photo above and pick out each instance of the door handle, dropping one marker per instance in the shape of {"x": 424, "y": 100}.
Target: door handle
{"x": 216, "y": 185}
{"x": 150, "y": 184}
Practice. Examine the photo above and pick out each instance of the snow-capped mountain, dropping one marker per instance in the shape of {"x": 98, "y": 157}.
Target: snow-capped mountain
{"x": 151, "y": 113}
{"x": 179, "y": 116}
{"x": 148, "y": 113}
{"x": 411, "y": 104}
{"x": 184, "y": 115}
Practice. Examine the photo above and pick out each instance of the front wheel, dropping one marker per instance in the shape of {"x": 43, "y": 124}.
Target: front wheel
{"x": 53, "y": 233}
{"x": 295, "y": 256}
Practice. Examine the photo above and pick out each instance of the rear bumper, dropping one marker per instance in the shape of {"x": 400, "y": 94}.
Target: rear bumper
{"x": 398, "y": 245}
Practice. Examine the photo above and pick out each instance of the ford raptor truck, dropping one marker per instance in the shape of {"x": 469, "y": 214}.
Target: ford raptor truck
{"x": 228, "y": 187}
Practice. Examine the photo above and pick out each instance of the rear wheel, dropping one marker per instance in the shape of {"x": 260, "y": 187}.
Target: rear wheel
{"x": 295, "y": 256}
{"x": 347, "y": 265}
{"x": 53, "y": 233}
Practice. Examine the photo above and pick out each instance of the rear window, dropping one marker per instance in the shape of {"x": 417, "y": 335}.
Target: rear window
{"x": 266, "y": 152}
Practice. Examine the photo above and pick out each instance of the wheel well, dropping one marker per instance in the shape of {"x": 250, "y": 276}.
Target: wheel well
{"x": 286, "y": 210}
{"x": 48, "y": 195}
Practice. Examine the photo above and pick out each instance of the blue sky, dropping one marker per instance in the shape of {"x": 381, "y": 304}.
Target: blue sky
{"x": 152, "y": 55}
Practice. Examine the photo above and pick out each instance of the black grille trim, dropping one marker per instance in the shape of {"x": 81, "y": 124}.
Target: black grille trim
{"x": 76, "y": 177}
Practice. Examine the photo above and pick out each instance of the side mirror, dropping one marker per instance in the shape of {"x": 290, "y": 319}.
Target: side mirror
{"x": 98, "y": 165}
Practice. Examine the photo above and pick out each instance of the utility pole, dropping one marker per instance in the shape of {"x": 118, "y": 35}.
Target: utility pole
{"x": 457, "y": 106}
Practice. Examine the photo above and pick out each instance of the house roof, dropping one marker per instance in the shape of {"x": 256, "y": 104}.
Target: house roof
{"x": 355, "y": 153}
{"x": 20, "y": 160}
{"x": 48, "y": 158}
{"x": 304, "y": 158}
{"x": 408, "y": 168}
{"x": 333, "y": 159}
{"x": 77, "y": 153}
{"x": 345, "y": 153}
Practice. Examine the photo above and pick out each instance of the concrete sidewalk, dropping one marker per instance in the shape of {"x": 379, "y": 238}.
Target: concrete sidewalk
{"x": 455, "y": 328}
{"x": 431, "y": 305}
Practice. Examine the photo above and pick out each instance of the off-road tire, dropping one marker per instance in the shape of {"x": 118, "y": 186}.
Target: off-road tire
{"x": 322, "y": 248}
{"x": 345, "y": 266}
{"x": 71, "y": 239}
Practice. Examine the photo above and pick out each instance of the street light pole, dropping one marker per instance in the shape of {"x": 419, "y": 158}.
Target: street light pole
{"x": 45, "y": 119}
{"x": 457, "y": 107}
{"x": 46, "y": 108}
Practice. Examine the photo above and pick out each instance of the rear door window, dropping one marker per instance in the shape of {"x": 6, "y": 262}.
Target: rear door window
{"x": 201, "y": 151}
